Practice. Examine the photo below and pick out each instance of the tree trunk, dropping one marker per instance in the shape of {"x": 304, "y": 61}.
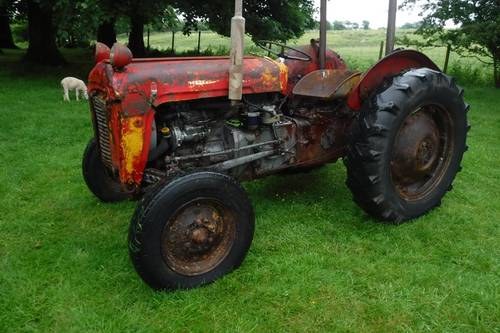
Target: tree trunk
{"x": 6, "y": 40}
{"x": 106, "y": 32}
{"x": 136, "y": 36}
{"x": 42, "y": 48}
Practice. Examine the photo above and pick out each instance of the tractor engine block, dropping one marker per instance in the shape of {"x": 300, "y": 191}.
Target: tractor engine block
{"x": 256, "y": 141}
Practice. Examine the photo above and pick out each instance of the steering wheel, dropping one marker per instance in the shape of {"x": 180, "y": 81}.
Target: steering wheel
{"x": 266, "y": 45}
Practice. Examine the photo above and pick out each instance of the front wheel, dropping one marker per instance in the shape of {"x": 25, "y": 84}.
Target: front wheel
{"x": 191, "y": 231}
{"x": 407, "y": 145}
{"x": 99, "y": 182}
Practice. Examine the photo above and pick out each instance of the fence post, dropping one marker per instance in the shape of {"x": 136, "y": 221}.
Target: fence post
{"x": 173, "y": 41}
{"x": 447, "y": 59}
{"x": 381, "y": 52}
{"x": 148, "y": 39}
{"x": 199, "y": 41}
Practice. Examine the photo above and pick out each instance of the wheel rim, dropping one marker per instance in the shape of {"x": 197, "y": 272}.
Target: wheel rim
{"x": 198, "y": 237}
{"x": 422, "y": 152}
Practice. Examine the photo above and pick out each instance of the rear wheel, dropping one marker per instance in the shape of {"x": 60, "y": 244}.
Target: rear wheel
{"x": 407, "y": 145}
{"x": 191, "y": 231}
{"x": 99, "y": 182}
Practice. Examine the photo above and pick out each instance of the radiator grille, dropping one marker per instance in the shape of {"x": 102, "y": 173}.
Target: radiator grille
{"x": 101, "y": 117}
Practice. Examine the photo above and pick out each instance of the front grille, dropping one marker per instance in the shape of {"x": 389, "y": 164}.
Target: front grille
{"x": 102, "y": 128}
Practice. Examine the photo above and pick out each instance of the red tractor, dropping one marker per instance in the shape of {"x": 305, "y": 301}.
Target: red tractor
{"x": 182, "y": 132}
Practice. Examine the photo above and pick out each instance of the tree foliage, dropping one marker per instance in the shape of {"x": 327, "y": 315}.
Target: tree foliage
{"x": 6, "y": 40}
{"x": 271, "y": 19}
{"x": 477, "y": 32}
{"x": 53, "y": 23}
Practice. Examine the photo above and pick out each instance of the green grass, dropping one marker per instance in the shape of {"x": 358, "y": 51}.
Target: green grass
{"x": 317, "y": 262}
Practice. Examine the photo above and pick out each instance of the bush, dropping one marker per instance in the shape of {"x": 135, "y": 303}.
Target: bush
{"x": 208, "y": 52}
{"x": 470, "y": 74}
{"x": 20, "y": 32}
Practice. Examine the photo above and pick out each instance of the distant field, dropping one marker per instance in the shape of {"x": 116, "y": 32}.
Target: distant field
{"x": 360, "y": 48}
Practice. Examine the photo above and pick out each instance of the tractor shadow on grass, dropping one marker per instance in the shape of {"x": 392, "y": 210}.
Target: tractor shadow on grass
{"x": 320, "y": 194}
{"x": 305, "y": 185}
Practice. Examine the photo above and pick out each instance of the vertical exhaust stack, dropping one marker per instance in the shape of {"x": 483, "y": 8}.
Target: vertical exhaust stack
{"x": 391, "y": 27}
{"x": 237, "y": 49}
{"x": 322, "y": 35}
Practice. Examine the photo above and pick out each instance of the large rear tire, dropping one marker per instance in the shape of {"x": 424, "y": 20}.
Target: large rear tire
{"x": 191, "y": 231}
{"x": 99, "y": 182}
{"x": 407, "y": 145}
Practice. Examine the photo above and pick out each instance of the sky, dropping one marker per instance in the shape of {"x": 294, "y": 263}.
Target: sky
{"x": 374, "y": 11}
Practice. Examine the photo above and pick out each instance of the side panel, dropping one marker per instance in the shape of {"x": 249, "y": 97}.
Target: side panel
{"x": 134, "y": 147}
{"x": 130, "y": 122}
{"x": 386, "y": 68}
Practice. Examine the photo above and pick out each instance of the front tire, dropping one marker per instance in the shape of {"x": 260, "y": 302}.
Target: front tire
{"x": 407, "y": 145}
{"x": 99, "y": 182}
{"x": 191, "y": 231}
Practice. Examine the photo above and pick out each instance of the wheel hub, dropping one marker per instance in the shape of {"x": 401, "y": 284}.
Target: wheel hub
{"x": 198, "y": 237}
{"x": 421, "y": 148}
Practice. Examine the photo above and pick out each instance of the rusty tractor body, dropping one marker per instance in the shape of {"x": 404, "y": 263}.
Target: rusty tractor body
{"x": 166, "y": 131}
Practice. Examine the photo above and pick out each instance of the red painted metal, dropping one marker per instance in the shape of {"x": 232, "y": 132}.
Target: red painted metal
{"x": 133, "y": 90}
{"x": 327, "y": 83}
{"x": 102, "y": 52}
{"x": 387, "y": 68}
{"x": 120, "y": 56}
{"x": 298, "y": 69}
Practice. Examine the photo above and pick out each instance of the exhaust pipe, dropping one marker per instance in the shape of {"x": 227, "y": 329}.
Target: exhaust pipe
{"x": 237, "y": 49}
{"x": 322, "y": 35}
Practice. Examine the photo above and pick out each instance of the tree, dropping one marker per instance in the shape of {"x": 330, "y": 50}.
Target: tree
{"x": 42, "y": 47}
{"x": 410, "y": 25}
{"x": 270, "y": 19}
{"x": 108, "y": 12}
{"x": 317, "y": 25}
{"x": 6, "y": 40}
{"x": 477, "y": 34}
{"x": 338, "y": 25}
{"x": 366, "y": 25}
{"x": 76, "y": 22}
{"x": 141, "y": 13}
{"x": 106, "y": 32}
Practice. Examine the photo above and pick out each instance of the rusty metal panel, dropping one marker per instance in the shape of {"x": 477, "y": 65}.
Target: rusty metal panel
{"x": 327, "y": 84}
{"x": 298, "y": 69}
{"x": 385, "y": 69}
{"x": 194, "y": 78}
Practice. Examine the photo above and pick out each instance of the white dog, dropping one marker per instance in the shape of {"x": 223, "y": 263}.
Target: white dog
{"x": 72, "y": 83}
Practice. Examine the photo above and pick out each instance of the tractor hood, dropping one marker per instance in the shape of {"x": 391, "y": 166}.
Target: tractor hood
{"x": 164, "y": 80}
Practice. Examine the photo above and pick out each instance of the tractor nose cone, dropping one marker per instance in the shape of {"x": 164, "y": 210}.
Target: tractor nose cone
{"x": 102, "y": 52}
{"x": 120, "y": 56}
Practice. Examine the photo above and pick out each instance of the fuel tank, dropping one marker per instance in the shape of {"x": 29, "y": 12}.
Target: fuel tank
{"x": 181, "y": 79}
{"x": 164, "y": 80}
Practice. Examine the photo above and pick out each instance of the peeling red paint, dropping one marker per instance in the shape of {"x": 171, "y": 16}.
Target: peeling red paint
{"x": 133, "y": 92}
{"x": 387, "y": 68}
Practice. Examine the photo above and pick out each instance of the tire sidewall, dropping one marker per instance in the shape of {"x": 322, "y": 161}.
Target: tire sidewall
{"x": 146, "y": 231}
{"x": 445, "y": 97}
{"x": 98, "y": 181}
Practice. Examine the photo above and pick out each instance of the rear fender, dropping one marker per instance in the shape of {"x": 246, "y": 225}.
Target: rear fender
{"x": 388, "y": 67}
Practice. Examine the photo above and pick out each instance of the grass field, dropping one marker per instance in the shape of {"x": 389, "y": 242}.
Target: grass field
{"x": 317, "y": 262}
{"x": 360, "y": 48}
